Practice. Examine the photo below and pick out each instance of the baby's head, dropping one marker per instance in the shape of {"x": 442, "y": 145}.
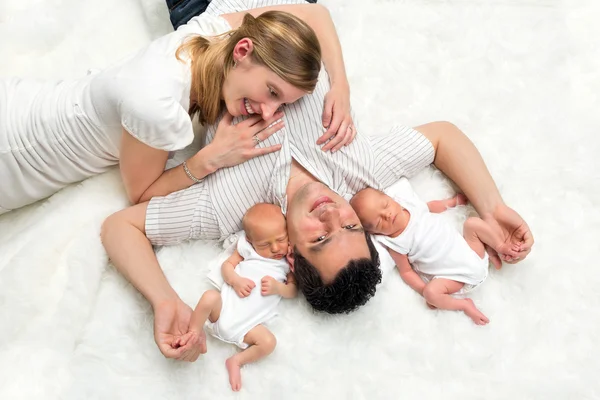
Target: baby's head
{"x": 266, "y": 230}
{"x": 377, "y": 211}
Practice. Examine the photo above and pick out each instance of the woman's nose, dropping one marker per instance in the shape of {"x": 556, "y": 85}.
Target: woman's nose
{"x": 268, "y": 109}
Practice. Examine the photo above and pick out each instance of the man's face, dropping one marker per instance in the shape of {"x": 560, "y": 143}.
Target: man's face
{"x": 324, "y": 228}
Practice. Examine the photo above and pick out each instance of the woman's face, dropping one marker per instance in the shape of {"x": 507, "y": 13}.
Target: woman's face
{"x": 254, "y": 89}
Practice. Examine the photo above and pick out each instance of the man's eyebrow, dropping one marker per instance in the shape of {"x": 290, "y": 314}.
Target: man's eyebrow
{"x": 319, "y": 246}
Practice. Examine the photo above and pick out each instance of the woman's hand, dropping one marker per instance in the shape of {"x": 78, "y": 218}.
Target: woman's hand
{"x": 337, "y": 119}
{"x": 234, "y": 144}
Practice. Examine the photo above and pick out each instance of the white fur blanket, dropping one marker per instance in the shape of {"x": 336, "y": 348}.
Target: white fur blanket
{"x": 521, "y": 77}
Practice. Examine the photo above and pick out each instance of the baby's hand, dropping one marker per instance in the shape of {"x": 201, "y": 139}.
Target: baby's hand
{"x": 243, "y": 287}
{"x": 268, "y": 286}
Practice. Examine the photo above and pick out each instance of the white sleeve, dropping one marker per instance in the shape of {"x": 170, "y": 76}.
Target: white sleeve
{"x": 243, "y": 247}
{"x": 156, "y": 120}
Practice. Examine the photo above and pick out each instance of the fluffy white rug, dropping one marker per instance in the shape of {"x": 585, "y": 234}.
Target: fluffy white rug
{"x": 520, "y": 77}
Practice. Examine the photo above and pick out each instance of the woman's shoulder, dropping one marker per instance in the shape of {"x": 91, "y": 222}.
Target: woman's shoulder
{"x": 206, "y": 24}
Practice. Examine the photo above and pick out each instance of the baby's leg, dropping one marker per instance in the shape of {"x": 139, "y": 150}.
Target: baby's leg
{"x": 439, "y": 206}
{"x": 437, "y": 293}
{"x": 262, "y": 343}
{"x": 208, "y": 307}
{"x": 478, "y": 233}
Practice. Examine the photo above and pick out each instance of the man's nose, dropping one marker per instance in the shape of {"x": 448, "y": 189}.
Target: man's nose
{"x": 329, "y": 214}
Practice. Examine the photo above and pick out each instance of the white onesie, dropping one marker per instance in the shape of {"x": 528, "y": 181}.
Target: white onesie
{"x": 434, "y": 248}
{"x": 240, "y": 315}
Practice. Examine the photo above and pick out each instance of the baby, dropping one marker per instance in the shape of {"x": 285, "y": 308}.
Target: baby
{"x": 446, "y": 262}
{"x": 236, "y": 314}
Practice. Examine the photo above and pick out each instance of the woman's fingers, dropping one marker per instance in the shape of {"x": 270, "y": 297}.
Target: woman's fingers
{"x": 271, "y": 129}
{"x": 345, "y": 136}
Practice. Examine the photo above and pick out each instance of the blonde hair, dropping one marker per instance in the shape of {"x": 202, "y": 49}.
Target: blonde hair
{"x": 282, "y": 42}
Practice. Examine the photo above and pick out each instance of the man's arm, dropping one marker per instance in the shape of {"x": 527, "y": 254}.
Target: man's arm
{"x": 123, "y": 237}
{"x": 457, "y": 157}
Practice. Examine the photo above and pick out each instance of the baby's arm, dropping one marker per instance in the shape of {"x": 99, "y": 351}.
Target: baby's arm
{"x": 438, "y": 206}
{"x": 407, "y": 273}
{"x": 242, "y": 286}
{"x": 270, "y": 285}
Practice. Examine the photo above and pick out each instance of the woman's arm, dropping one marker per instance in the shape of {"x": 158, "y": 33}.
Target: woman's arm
{"x": 142, "y": 167}
{"x": 336, "y": 115}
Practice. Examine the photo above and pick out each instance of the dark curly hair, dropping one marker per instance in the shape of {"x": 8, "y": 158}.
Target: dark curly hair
{"x": 352, "y": 287}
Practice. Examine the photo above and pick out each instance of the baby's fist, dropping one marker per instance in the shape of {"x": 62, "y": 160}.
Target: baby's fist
{"x": 268, "y": 286}
{"x": 243, "y": 287}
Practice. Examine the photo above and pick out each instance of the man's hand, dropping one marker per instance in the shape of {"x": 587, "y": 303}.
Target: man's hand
{"x": 514, "y": 230}
{"x": 171, "y": 322}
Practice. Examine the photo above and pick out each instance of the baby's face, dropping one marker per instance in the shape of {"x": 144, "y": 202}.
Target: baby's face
{"x": 377, "y": 212}
{"x": 270, "y": 240}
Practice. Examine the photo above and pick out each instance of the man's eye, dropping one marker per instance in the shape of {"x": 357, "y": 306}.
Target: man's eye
{"x": 350, "y": 226}
{"x": 320, "y": 238}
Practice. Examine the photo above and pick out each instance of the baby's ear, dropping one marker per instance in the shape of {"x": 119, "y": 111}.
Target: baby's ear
{"x": 290, "y": 258}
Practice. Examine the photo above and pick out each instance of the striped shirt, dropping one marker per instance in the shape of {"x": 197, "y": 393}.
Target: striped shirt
{"x": 214, "y": 208}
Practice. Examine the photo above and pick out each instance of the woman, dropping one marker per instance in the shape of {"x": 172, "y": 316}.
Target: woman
{"x": 135, "y": 113}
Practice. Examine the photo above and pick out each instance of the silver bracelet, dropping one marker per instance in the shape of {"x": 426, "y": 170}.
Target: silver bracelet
{"x": 189, "y": 174}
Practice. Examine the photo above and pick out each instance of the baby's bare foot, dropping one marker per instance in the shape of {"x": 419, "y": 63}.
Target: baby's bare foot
{"x": 476, "y": 315}
{"x": 509, "y": 251}
{"x": 494, "y": 257}
{"x": 461, "y": 200}
{"x": 235, "y": 375}
{"x": 192, "y": 337}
